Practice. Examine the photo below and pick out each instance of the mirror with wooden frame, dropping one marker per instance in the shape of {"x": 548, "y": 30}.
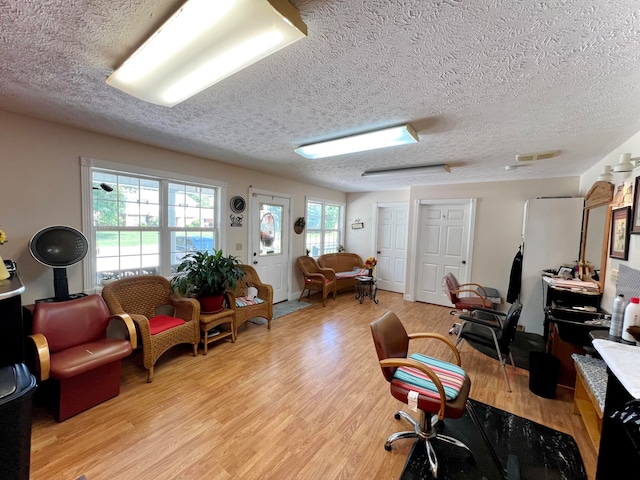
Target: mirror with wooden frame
{"x": 596, "y": 222}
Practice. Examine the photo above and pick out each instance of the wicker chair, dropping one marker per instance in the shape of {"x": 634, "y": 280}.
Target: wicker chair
{"x": 247, "y": 309}
{"x": 317, "y": 278}
{"x": 147, "y": 299}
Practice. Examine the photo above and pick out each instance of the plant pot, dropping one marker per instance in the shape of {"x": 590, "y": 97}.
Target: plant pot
{"x": 211, "y": 304}
{"x": 107, "y": 281}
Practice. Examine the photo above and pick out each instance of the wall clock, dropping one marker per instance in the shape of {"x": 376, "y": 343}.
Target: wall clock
{"x": 238, "y": 204}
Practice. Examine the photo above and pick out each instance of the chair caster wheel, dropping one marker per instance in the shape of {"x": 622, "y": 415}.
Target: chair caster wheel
{"x": 397, "y": 417}
{"x": 387, "y": 447}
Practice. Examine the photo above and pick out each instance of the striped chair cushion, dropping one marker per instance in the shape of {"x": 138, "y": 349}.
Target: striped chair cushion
{"x": 451, "y": 376}
{"x": 244, "y": 301}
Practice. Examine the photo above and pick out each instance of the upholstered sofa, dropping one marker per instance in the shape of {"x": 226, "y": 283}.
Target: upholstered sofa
{"x": 346, "y": 265}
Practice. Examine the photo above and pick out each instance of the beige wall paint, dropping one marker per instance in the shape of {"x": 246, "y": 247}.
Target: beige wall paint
{"x": 498, "y": 227}
{"x": 40, "y": 186}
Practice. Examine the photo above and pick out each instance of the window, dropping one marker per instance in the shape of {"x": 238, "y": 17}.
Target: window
{"x": 146, "y": 224}
{"x": 325, "y": 227}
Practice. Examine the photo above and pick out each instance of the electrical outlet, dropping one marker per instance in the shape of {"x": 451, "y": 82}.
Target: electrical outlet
{"x": 238, "y": 247}
{"x": 614, "y": 275}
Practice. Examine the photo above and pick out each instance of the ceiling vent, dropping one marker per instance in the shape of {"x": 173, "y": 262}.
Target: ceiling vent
{"x": 532, "y": 157}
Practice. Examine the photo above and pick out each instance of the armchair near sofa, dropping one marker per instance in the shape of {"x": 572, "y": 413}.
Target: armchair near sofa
{"x": 316, "y": 278}
{"x": 247, "y": 308}
{"x": 74, "y": 354}
{"x": 347, "y": 266}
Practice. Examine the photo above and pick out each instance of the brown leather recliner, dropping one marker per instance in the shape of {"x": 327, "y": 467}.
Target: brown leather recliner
{"x": 74, "y": 354}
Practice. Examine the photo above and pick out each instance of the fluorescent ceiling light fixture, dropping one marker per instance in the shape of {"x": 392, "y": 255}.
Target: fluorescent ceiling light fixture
{"x": 409, "y": 171}
{"x": 387, "y": 137}
{"x": 204, "y": 42}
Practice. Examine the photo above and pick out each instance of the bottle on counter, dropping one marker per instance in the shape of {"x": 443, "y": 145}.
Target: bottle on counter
{"x": 631, "y": 317}
{"x": 617, "y": 316}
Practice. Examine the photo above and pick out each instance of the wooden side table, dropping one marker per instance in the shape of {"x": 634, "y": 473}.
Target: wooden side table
{"x": 211, "y": 320}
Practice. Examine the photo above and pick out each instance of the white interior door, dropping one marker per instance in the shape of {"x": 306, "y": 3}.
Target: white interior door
{"x": 393, "y": 227}
{"x": 270, "y": 242}
{"x": 444, "y": 246}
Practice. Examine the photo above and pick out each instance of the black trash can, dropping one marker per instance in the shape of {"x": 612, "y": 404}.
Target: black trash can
{"x": 543, "y": 374}
{"x": 17, "y": 386}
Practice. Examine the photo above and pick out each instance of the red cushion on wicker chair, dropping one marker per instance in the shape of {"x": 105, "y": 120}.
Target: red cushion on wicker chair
{"x": 162, "y": 322}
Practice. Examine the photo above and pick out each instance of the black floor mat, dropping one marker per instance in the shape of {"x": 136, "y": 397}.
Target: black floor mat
{"x": 543, "y": 453}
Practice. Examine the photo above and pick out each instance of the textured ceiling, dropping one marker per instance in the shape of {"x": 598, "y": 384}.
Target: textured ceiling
{"x": 480, "y": 80}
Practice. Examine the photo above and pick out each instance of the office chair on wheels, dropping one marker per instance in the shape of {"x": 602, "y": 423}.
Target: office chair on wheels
{"x": 471, "y": 299}
{"x": 438, "y": 389}
{"x": 414, "y": 380}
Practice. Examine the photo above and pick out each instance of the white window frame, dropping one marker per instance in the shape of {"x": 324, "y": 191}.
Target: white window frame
{"x": 87, "y": 167}
{"x": 341, "y": 222}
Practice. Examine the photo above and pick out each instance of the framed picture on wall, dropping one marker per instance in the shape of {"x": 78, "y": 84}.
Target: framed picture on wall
{"x": 619, "y": 241}
{"x": 635, "y": 220}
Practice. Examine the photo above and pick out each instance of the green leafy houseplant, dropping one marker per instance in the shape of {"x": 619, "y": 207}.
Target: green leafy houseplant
{"x": 204, "y": 274}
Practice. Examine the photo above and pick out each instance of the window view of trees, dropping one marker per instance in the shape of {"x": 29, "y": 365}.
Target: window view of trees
{"x": 147, "y": 226}
{"x": 324, "y": 228}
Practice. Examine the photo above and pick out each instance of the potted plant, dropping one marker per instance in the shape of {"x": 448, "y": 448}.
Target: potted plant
{"x": 206, "y": 276}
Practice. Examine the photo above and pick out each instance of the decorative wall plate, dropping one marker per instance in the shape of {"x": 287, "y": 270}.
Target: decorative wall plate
{"x": 238, "y": 204}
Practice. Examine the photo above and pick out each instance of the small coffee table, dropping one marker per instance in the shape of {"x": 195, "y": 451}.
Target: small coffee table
{"x": 363, "y": 291}
{"x": 212, "y": 320}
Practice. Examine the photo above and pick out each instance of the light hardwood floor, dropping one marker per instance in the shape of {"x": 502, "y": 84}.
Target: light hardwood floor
{"x": 304, "y": 400}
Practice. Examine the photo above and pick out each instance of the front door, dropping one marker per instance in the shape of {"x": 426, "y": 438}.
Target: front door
{"x": 269, "y": 244}
{"x": 391, "y": 246}
{"x": 443, "y": 246}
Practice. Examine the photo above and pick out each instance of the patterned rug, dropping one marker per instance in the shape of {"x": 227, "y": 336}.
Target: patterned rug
{"x": 281, "y": 309}
{"x": 543, "y": 453}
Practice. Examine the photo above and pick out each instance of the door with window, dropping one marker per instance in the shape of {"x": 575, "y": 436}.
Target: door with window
{"x": 269, "y": 244}
{"x": 444, "y": 246}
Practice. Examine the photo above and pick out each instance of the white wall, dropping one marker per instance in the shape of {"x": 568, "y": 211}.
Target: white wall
{"x": 40, "y": 186}
{"x": 586, "y": 180}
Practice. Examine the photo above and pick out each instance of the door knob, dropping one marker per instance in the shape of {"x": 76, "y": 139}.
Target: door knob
{"x": 464, "y": 262}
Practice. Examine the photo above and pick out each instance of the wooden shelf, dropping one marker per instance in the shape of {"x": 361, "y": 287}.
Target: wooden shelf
{"x": 586, "y": 405}
{"x": 212, "y": 320}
